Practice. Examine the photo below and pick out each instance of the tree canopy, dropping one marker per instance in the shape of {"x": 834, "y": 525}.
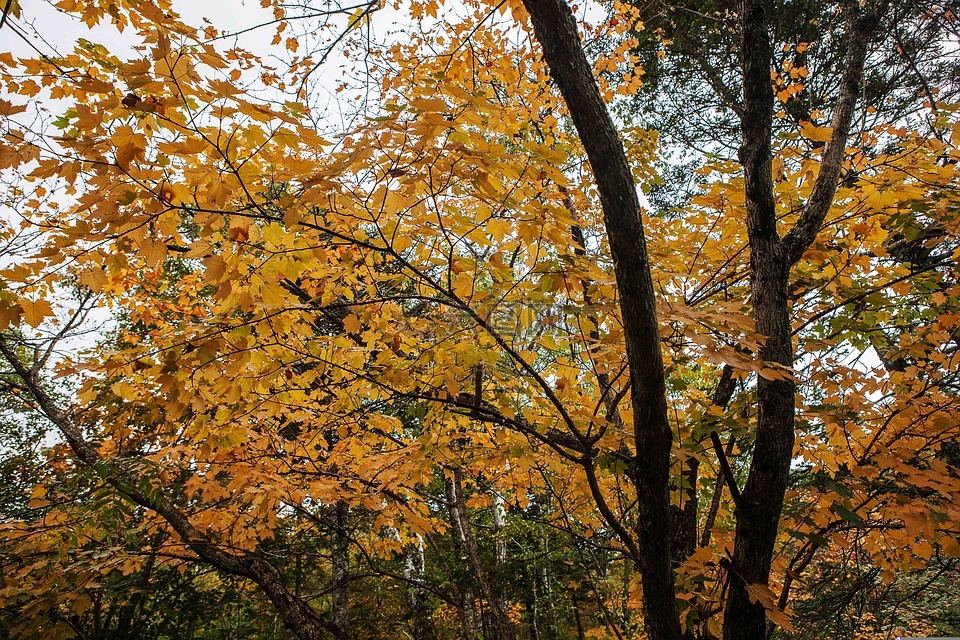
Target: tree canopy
{"x": 401, "y": 348}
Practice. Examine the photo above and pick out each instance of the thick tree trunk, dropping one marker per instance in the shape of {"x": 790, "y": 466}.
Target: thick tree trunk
{"x": 758, "y": 511}
{"x": 555, "y": 28}
{"x": 771, "y": 258}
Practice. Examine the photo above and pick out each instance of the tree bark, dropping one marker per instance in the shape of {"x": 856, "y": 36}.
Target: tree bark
{"x": 555, "y": 28}
{"x": 771, "y": 258}
{"x": 499, "y": 522}
{"x": 413, "y": 567}
{"x": 467, "y": 609}
{"x": 340, "y": 557}
{"x": 758, "y": 511}
{"x": 500, "y": 626}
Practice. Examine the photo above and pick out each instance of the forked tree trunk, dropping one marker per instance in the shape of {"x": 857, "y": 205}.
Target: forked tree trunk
{"x": 771, "y": 259}
{"x": 758, "y": 514}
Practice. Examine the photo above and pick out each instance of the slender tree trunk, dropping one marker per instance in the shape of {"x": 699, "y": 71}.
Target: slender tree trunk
{"x": 298, "y": 568}
{"x": 500, "y": 626}
{"x": 684, "y": 541}
{"x": 555, "y": 28}
{"x": 499, "y": 521}
{"x": 128, "y": 613}
{"x": 581, "y": 635}
{"x": 469, "y": 619}
{"x": 413, "y": 567}
{"x": 549, "y": 610}
{"x": 98, "y": 628}
{"x": 685, "y": 517}
{"x": 715, "y": 499}
{"x": 533, "y": 611}
{"x": 340, "y": 556}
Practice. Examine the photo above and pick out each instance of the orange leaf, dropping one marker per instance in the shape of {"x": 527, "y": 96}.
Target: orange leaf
{"x": 215, "y": 268}
{"x": 94, "y": 278}
{"x": 35, "y": 311}
{"x": 9, "y": 314}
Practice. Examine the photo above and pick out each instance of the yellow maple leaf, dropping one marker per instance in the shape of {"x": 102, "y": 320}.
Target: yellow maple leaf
{"x": 34, "y": 311}
{"x": 819, "y": 134}
{"x": 94, "y": 278}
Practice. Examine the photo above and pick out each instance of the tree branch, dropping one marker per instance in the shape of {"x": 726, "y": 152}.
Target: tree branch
{"x": 298, "y": 615}
{"x": 725, "y": 468}
{"x": 861, "y": 25}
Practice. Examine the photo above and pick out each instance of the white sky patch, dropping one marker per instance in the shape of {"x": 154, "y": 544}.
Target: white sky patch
{"x": 644, "y": 202}
{"x": 51, "y": 31}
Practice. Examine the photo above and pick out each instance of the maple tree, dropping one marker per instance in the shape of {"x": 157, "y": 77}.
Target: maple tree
{"x": 442, "y": 343}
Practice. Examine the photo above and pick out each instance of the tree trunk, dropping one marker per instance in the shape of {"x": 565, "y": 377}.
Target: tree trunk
{"x": 549, "y": 612}
{"x": 469, "y": 619}
{"x": 500, "y": 626}
{"x": 715, "y": 499}
{"x": 771, "y": 258}
{"x": 758, "y": 511}
{"x": 499, "y": 521}
{"x": 340, "y": 557}
{"x": 413, "y": 566}
{"x": 555, "y": 28}
{"x": 581, "y": 635}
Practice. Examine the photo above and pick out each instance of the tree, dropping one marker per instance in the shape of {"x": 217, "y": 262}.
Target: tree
{"x": 459, "y": 290}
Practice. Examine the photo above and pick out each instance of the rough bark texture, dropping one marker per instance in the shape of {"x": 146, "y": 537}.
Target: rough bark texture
{"x": 298, "y": 616}
{"x": 758, "y": 511}
{"x": 556, "y": 30}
